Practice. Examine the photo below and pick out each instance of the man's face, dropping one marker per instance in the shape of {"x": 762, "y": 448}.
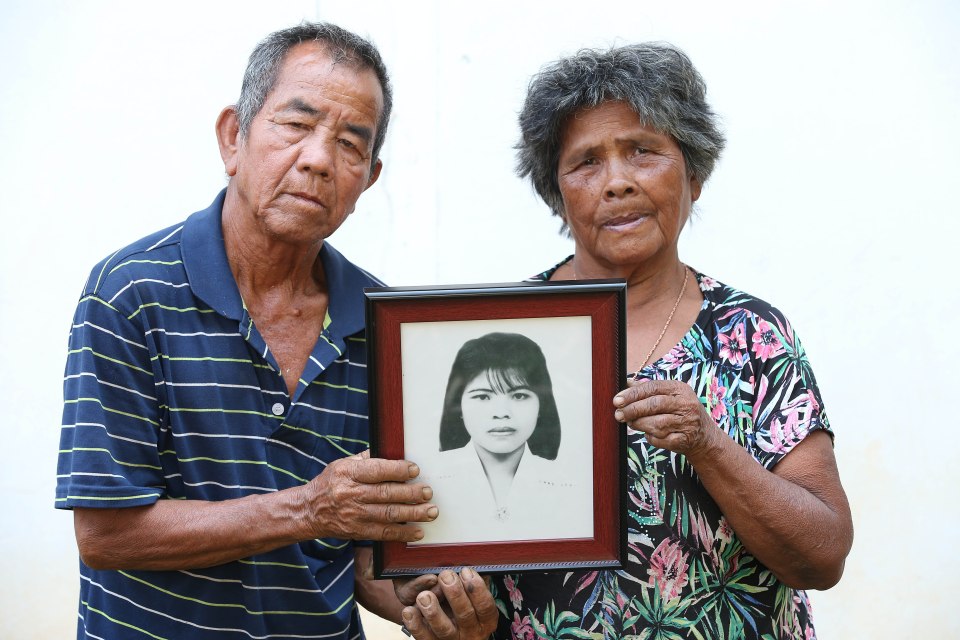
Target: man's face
{"x": 306, "y": 158}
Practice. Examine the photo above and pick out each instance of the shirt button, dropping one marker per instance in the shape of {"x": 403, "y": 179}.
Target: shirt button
{"x": 277, "y": 409}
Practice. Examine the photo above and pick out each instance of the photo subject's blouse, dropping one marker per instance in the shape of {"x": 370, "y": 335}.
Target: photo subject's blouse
{"x": 469, "y": 512}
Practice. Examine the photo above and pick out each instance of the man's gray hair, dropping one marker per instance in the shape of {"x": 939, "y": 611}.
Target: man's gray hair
{"x": 343, "y": 46}
{"x": 655, "y": 78}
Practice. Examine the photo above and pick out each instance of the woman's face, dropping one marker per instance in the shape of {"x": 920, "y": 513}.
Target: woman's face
{"x": 497, "y": 419}
{"x": 624, "y": 186}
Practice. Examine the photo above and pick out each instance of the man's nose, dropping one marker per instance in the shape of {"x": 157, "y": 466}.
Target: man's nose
{"x": 317, "y": 154}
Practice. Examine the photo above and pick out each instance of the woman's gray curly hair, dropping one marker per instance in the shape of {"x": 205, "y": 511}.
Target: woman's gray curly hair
{"x": 655, "y": 78}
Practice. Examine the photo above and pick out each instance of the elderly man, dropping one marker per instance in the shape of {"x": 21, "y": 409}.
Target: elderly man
{"x": 215, "y": 403}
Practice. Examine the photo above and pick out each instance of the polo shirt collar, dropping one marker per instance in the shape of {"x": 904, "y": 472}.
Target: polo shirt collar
{"x": 205, "y": 260}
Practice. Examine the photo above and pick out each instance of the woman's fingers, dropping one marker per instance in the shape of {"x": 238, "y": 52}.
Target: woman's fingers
{"x": 667, "y": 411}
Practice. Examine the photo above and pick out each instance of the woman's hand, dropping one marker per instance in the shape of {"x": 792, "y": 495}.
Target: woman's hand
{"x": 795, "y": 519}
{"x": 449, "y": 607}
{"x": 669, "y": 413}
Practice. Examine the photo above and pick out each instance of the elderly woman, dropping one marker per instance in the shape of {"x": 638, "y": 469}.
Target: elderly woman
{"x": 735, "y": 503}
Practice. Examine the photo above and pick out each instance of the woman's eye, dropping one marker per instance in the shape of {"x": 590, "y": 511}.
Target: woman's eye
{"x": 480, "y": 396}
{"x": 521, "y": 395}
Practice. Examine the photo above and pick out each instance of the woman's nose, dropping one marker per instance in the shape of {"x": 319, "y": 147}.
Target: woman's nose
{"x": 620, "y": 180}
{"x": 501, "y": 409}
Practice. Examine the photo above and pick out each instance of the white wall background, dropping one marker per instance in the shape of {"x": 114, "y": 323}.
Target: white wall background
{"x": 833, "y": 201}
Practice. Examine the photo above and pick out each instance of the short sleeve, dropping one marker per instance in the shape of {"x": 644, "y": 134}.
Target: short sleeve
{"x": 111, "y": 417}
{"x": 787, "y": 403}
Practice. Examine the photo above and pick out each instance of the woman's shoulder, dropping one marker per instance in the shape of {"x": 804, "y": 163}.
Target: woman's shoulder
{"x": 448, "y": 465}
{"x": 543, "y": 276}
{"x": 728, "y": 306}
{"x": 721, "y": 298}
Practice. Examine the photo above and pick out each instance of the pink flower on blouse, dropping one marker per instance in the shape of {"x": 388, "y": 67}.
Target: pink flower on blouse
{"x": 674, "y": 359}
{"x": 707, "y": 283}
{"x": 668, "y": 569}
{"x": 766, "y": 344}
{"x": 718, "y": 408}
{"x": 724, "y": 531}
{"x": 516, "y": 598}
{"x": 521, "y": 628}
{"x": 733, "y": 345}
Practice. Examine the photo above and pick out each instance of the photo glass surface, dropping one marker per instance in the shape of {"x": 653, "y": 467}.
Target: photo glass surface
{"x": 481, "y": 495}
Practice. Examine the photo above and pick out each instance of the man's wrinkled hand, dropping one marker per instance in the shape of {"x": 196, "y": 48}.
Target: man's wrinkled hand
{"x": 367, "y": 499}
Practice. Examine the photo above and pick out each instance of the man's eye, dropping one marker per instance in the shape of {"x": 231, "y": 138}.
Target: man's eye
{"x": 639, "y": 151}
{"x": 294, "y": 124}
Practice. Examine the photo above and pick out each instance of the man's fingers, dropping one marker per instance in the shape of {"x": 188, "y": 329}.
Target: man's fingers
{"x": 373, "y": 470}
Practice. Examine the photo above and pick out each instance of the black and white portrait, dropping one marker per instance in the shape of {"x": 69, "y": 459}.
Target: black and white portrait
{"x": 498, "y": 414}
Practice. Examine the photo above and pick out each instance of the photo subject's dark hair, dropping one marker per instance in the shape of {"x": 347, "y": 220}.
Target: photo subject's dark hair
{"x": 512, "y": 360}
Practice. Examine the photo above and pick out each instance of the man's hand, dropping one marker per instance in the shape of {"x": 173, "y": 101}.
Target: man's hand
{"x": 465, "y": 612}
{"x": 367, "y": 499}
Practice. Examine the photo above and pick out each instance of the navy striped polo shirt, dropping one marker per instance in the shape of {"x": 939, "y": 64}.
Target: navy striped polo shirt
{"x": 171, "y": 393}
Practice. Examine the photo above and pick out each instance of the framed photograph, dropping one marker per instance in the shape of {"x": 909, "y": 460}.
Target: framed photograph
{"x": 502, "y": 395}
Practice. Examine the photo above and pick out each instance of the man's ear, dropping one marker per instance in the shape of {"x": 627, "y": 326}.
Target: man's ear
{"x": 228, "y": 138}
{"x": 374, "y": 173}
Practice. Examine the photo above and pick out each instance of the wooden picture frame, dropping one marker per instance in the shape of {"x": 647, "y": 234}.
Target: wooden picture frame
{"x": 564, "y": 506}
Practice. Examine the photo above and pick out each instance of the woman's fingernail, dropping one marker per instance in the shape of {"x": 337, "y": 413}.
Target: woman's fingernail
{"x": 618, "y": 415}
{"x": 414, "y": 471}
{"x": 618, "y": 401}
{"x": 432, "y": 513}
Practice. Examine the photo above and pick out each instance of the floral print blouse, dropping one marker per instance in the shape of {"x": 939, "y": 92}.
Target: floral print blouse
{"x": 687, "y": 574}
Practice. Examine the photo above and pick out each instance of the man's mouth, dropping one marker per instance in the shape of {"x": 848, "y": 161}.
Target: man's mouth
{"x": 306, "y": 196}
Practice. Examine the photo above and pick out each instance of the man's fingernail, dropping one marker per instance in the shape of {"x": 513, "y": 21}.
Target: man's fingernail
{"x": 447, "y": 578}
{"x": 424, "y": 599}
{"x": 407, "y": 614}
{"x": 427, "y": 493}
{"x": 418, "y": 534}
{"x": 467, "y": 573}
{"x": 432, "y": 513}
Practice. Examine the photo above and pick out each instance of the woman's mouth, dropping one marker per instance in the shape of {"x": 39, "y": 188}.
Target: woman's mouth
{"x": 625, "y": 222}
{"x": 502, "y": 431}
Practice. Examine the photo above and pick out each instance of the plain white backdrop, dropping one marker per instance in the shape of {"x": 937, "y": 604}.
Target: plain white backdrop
{"x": 834, "y": 200}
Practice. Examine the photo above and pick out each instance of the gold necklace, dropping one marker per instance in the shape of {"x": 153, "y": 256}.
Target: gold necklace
{"x": 686, "y": 277}
{"x": 683, "y": 288}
